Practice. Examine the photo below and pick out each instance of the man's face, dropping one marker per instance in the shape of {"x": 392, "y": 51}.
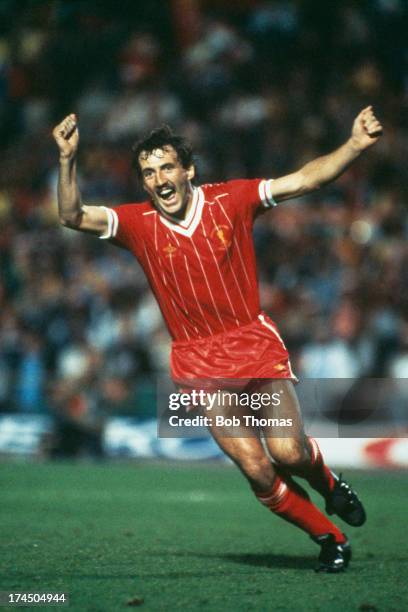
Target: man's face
{"x": 166, "y": 181}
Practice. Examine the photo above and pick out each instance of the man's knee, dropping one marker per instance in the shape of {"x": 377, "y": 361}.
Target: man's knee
{"x": 292, "y": 453}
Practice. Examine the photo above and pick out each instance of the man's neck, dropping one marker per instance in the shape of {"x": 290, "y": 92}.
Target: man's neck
{"x": 183, "y": 213}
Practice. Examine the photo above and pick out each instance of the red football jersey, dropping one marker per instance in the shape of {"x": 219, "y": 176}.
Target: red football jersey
{"x": 202, "y": 270}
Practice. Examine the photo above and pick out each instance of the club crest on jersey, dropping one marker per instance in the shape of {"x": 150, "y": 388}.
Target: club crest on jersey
{"x": 170, "y": 250}
{"x": 221, "y": 236}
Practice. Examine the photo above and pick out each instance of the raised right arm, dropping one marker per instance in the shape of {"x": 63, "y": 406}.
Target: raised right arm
{"x": 72, "y": 212}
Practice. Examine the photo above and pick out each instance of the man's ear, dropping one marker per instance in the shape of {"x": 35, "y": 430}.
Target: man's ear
{"x": 191, "y": 173}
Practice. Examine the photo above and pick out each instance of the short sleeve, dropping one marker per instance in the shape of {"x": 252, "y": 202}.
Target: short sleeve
{"x": 122, "y": 226}
{"x": 252, "y": 194}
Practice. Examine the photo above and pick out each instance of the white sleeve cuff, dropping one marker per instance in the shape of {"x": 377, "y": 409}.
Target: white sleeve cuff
{"x": 265, "y": 194}
{"x": 113, "y": 223}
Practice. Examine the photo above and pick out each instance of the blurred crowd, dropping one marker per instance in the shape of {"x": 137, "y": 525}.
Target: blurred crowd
{"x": 259, "y": 88}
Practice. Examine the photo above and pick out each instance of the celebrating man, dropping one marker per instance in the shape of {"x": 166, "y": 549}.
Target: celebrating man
{"x": 195, "y": 246}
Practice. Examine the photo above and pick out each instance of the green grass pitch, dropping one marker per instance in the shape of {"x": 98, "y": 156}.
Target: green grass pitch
{"x": 188, "y": 537}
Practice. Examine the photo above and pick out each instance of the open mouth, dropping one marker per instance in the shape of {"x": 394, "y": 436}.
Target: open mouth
{"x": 166, "y": 193}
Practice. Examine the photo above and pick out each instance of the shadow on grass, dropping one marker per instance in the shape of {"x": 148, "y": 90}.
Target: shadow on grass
{"x": 267, "y": 561}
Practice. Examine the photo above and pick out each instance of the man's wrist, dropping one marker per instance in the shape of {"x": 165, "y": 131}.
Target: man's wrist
{"x": 355, "y": 148}
{"x": 66, "y": 160}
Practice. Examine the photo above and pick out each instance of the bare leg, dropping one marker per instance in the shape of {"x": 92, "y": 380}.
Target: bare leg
{"x": 243, "y": 445}
{"x": 289, "y": 446}
{"x": 279, "y": 493}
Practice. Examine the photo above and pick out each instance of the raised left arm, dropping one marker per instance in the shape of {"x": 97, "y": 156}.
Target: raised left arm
{"x": 322, "y": 170}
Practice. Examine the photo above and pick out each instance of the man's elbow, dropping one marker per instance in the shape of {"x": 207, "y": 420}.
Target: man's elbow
{"x": 71, "y": 221}
{"x": 313, "y": 186}
{"x": 309, "y": 183}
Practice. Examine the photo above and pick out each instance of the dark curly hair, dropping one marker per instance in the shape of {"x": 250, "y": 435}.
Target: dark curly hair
{"x": 159, "y": 139}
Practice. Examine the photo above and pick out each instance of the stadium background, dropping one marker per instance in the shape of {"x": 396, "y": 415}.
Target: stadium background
{"x": 258, "y": 87}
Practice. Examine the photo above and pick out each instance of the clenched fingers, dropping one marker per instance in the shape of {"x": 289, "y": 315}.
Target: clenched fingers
{"x": 371, "y": 124}
{"x": 66, "y": 127}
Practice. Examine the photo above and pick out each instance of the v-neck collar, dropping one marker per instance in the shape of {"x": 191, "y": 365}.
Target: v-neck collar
{"x": 187, "y": 226}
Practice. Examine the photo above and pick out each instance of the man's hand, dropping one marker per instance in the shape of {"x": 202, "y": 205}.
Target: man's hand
{"x": 366, "y": 130}
{"x": 322, "y": 170}
{"x": 66, "y": 136}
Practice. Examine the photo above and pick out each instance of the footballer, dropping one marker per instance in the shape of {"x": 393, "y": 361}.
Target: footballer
{"x": 195, "y": 246}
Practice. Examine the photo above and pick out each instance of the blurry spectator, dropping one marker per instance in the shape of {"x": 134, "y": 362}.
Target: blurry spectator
{"x": 329, "y": 357}
{"x": 134, "y": 112}
{"x": 398, "y": 364}
{"x": 78, "y": 422}
{"x": 31, "y": 375}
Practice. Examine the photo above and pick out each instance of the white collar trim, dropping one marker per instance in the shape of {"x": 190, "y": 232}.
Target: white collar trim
{"x": 187, "y": 226}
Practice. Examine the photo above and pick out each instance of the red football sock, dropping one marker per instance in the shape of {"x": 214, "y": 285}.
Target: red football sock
{"x": 319, "y": 476}
{"x": 288, "y": 500}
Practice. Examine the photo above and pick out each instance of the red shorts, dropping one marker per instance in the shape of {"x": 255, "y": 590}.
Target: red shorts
{"x": 233, "y": 359}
